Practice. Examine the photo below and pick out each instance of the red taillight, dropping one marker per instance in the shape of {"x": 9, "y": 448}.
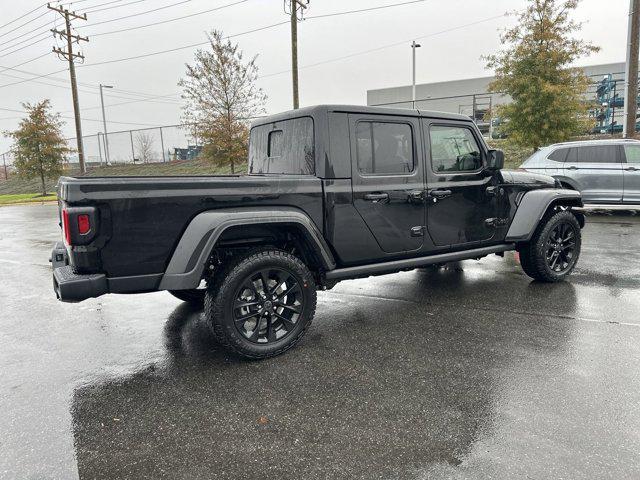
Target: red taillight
{"x": 84, "y": 225}
{"x": 65, "y": 227}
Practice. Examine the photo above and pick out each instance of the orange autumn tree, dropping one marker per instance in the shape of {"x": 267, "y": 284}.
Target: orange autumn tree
{"x": 221, "y": 97}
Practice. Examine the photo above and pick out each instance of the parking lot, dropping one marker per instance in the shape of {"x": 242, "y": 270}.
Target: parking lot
{"x": 472, "y": 371}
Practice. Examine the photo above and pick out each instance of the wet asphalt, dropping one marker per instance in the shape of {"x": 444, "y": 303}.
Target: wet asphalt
{"x": 473, "y": 372}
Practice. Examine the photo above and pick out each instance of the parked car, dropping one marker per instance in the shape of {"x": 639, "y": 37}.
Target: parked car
{"x": 333, "y": 192}
{"x": 603, "y": 171}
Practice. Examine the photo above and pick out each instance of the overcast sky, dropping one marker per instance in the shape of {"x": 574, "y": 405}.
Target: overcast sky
{"x": 445, "y": 55}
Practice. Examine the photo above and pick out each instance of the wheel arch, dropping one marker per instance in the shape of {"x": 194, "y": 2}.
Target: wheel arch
{"x": 241, "y": 227}
{"x": 533, "y": 207}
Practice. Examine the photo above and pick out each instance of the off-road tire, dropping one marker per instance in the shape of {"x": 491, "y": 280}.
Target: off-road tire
{"x": 533, "y": 254}
{"x": 221, "y": 294}
{"x": 194, "y": 297}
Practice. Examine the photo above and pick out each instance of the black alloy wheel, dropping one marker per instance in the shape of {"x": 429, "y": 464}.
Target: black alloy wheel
{"x": 560, "y": 247}
{"x": 267, "y": 305}
{"x": 260, "y": 305}
{"x": 553, "y": 251}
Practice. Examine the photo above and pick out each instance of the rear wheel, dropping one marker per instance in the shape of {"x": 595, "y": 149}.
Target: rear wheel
{"x": 553, "y": 251}
{"x": 261, "y": 305}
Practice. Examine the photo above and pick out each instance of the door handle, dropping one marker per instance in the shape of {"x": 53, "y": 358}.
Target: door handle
{"x": 632, "y": 169}
{"x": 440, "y": 193}
{"x": 572, "y": 167}
{"x": 376, "y": 197}
{"x": 416, "y": 194}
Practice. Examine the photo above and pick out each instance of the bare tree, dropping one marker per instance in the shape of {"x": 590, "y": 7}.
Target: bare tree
{"x": 221, "y": 96}
{"x": 144, "y": 146}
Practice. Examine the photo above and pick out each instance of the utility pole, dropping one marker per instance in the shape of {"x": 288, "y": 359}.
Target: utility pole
{"x": 4, "y": 162}
{"x": 631, "y": 73}
{"x": 70, "y": 57}
{"x": 104, "y": 124}
{"x": 294, "y": 5}
{"x": 414, "y": 45}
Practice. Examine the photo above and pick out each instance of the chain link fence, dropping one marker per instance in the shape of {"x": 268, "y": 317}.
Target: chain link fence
{"x": 147, "y": 145}
{"x": 168, "y": 143}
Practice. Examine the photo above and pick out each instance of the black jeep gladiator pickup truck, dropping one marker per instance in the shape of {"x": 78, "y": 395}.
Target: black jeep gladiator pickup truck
{"x": 332, "y": 193}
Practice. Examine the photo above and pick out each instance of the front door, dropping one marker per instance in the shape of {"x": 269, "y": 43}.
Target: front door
{"x": 387, "y": 179}
{"x": 597, "y": 172}
{"x": 631, "y": 169}
{"x": 462, "y": 204}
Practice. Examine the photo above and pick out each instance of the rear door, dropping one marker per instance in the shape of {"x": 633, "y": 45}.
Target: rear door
{"x": 387, "y": 179}
{"x": 461, "y": 208}
{"x": 597, "y": 172}
{"x": 631, "y": 169}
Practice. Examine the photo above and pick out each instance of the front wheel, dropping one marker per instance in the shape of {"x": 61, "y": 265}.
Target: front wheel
{"x": 261, "y": 305}
{"x": 554, "y": 249}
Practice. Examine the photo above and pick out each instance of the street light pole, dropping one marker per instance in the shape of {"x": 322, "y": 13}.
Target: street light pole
{"x": 104, "y": 124}
{"x": 414, "y": 45}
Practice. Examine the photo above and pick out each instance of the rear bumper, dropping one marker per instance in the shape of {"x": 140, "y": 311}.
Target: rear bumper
{"x": 71, "y": 287}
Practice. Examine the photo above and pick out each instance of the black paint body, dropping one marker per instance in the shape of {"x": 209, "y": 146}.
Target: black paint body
{"x": 142, "y": 219}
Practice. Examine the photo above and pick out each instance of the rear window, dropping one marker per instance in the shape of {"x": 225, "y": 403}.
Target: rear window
{"x": 559, "y": 155}
{"x": 284, "y": 147}
{"x": 594, "y": 154}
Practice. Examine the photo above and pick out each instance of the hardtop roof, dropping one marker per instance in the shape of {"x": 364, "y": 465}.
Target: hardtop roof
{"x": 361, "y": 109}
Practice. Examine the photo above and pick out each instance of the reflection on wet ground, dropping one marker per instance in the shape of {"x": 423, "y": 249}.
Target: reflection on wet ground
{"x": 472, "y": 371}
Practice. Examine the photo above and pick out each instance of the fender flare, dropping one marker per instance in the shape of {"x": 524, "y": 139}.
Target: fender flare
{"x": 192, "y": 253}
{"x": 569, "y": 181}
{"x": 533, "y": 206}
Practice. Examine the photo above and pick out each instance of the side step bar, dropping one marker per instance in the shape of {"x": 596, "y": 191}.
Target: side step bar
{"x": 397, "y": 265}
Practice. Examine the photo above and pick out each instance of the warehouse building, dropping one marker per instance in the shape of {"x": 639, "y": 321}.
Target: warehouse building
{"x": 470, "y": 97}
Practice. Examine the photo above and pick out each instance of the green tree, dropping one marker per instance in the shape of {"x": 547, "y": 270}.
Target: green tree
{"x": 221, "y": 96}
{"x": 534, "y": 68}
{"x": 39, "y": 146}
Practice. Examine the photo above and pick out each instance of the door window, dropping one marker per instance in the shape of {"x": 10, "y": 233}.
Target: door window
{"x": 384, "y": 148}
{"x": 558, "y": 155}
{"x": 454, "y": 149}
{"x": 632, "y": 152}
{"x": 594, "y": 154}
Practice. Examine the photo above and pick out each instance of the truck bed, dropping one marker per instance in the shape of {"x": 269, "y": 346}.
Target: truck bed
{"x": 142, "y": 218}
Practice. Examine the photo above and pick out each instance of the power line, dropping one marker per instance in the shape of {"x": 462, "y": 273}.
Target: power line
{"x": 365, "y": 9}
{"x": 23, "y": 63}
{"x": 21, "y": 16}
{"x": 363, "y": 52}
{"x": 34, "y": 78}
{"x": 199, "y": 44}
{"x": 22, "y": 25}
{"x": 109, "y": 8}
{"x": 85, "y": 119}
{"x": 169, "y": 20}
{"x": 9, "y": 47}
{"x": 135, "y": 14}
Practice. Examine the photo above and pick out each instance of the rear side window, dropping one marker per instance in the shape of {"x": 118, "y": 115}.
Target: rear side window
{"x": 454, "y": 149}
{"x": 384, "y": 148}
{"x": 632, "y": 152}
{"x": 594, "y": 154}
{"x": 559, "y": 155}
{"x": 285, "y": 147}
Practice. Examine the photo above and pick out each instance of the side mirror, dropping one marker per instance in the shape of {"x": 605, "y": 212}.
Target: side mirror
{"x": 495, "y": 160}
